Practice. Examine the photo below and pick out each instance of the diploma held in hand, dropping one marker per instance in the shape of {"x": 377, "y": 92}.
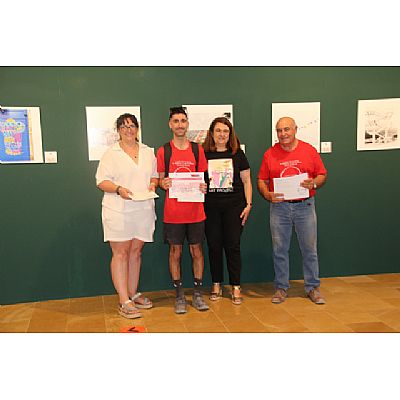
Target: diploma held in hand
{"x": 186, "y": 186}
{"x": 290, "y": 187}
{"x": 141, "y": 196}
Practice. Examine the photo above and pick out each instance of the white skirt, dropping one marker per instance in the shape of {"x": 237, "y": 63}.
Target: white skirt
{"x": 120, "y": 227}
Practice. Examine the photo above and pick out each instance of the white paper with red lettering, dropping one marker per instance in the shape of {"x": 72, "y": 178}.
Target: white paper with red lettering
{"x": 186, "y": 186}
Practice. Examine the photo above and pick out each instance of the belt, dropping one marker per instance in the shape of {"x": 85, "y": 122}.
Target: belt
{"x": 296, "y": 201}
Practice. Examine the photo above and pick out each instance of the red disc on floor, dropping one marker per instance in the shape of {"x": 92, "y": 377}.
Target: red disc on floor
{"x": 133, "y": 329}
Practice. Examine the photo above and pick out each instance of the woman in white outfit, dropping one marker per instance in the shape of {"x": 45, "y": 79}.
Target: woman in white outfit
{"x": 126, "y": 168}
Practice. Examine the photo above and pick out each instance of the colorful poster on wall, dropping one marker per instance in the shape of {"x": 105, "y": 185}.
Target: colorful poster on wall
{"x": 201, "y": 116}
{"x": 101, "y": 129}
{"x": 307, "y": 117}
{"x": 20, "y": 135}
{"x": 378, "y": 124}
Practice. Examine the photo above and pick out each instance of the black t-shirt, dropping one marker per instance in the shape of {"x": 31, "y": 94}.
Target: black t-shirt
{"x": 231, "y": 192}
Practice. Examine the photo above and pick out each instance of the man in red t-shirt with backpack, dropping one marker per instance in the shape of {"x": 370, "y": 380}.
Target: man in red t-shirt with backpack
{"x": 287, "y": 158}
{"x": 183, "y": 219}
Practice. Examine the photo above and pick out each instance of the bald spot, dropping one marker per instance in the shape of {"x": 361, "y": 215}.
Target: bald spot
{"x": 287, "y": 121}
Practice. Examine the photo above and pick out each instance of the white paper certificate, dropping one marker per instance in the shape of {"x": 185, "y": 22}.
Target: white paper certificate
{"x": 290, "y": 187}
{"x": 141, "y": 196}
{"x": 186, "y": 186}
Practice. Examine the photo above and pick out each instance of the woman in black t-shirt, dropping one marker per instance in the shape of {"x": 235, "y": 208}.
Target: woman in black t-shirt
{"x": 227, "y": 205}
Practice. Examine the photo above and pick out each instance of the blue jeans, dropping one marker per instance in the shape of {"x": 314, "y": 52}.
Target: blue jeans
{"x": 283, "y": 216}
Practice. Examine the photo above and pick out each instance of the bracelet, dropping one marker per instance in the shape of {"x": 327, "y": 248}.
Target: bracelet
{"x": 250, "y": 204}
{"x": 117, "y": 190}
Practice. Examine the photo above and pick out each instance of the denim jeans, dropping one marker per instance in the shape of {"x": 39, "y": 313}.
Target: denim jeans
{"x": 283, "y": 216}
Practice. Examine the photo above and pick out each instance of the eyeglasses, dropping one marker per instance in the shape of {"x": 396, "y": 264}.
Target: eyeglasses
{"x": 126, "y": 127}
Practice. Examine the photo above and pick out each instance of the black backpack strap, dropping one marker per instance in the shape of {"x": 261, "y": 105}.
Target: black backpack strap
{"x": 167, "y": 157}
{"x": 195, "y": 150}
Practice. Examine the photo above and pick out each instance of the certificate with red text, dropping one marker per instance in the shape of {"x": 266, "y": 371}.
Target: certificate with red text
{"x": 186, "y": 186}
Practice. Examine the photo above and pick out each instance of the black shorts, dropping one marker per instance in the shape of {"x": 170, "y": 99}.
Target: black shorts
{"x": 176, "y": 233}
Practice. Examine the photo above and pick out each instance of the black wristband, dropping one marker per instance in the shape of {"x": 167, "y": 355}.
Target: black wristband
{"x": 117, "y": 190}
{"x": 250, "y": 204}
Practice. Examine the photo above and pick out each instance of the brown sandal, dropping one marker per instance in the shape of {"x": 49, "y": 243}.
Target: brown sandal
{"x": 128, "y": 310}
{"x": 141, "y": 301}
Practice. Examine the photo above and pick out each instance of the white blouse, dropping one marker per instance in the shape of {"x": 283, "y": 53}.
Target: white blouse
{"x": 116, "y": 166}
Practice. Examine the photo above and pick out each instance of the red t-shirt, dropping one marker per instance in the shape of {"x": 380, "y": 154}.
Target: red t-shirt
{"x": 279, "y": 163}
{"x": 182, "y": 161}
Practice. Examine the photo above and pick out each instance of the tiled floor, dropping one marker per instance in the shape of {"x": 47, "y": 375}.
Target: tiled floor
{"x": 365, "y": 303}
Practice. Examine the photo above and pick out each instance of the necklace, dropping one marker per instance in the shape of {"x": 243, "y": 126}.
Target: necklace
{"x": 132, "y": 151}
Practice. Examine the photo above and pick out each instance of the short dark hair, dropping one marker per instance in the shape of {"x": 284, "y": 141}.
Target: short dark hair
{"x": 177, "y": 110}
{"x": 124, "y": 117}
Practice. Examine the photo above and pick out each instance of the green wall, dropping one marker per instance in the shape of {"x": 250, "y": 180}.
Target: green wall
{"x": 51, "y": 236}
